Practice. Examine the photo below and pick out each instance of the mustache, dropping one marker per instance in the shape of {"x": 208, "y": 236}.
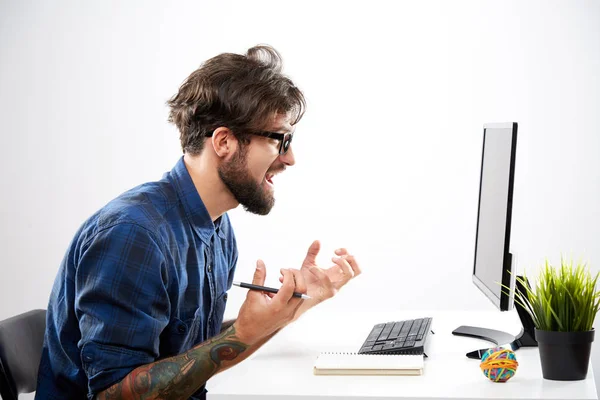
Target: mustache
{"x": 276, "y": 170}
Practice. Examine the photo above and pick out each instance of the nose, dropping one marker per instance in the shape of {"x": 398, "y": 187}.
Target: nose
{"x": 288, "y": 158}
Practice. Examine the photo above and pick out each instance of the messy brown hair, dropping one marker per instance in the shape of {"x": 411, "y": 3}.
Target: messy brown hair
{"x": 240, "y": 92}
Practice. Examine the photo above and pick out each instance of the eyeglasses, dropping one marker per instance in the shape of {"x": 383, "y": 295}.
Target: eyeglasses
{"x": 285, "y": 139}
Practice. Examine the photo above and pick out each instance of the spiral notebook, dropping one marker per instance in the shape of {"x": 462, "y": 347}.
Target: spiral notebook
{"x": 368, "y": 364}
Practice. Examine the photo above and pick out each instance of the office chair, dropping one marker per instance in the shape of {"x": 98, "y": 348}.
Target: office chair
{"x": 21, "y": 342}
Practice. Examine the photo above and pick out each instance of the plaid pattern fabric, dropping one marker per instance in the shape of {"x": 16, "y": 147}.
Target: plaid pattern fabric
{"x": 145, "y": 277}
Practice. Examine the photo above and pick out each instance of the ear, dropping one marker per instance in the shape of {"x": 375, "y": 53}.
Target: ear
{"x": 223, "y": 142}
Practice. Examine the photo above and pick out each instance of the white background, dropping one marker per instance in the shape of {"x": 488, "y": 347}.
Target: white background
{"x": 388, "y": 154}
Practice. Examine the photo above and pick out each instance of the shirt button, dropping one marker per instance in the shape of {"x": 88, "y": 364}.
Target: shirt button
{"x": 209, "y": 268}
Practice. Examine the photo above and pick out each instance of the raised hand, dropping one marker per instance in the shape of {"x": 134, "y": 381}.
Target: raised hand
{"x": 323, "y": 283}
{"x": 264, "y": 313}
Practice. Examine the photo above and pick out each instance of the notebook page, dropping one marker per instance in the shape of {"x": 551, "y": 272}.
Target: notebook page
{"x": 367, "y": 361}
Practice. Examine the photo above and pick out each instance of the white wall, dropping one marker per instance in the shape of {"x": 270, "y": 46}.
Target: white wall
{"x": 388, "y": 154}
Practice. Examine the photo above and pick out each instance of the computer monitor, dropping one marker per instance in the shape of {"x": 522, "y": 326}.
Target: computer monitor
{"x": 493, "y": 260}
{"x": 494, "y": 268}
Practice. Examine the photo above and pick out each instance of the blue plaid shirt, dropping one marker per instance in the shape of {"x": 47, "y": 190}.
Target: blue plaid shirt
{"x": 144, "y": 278}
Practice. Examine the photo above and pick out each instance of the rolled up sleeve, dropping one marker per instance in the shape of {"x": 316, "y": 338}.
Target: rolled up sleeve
{"x": 122, "y": 303}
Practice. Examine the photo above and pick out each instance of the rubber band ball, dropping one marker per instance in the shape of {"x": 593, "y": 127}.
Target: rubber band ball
{"x": 499, "y": 364}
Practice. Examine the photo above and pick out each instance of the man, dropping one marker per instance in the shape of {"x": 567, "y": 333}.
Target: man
{"x": 137, "y": 307}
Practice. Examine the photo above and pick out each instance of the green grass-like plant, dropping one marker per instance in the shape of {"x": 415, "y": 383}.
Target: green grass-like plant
{"x": 564, "y": 298}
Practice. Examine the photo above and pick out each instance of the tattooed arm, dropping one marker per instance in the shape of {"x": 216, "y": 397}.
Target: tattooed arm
{"x": 181, "y": 376}
{"x": 178, "y": 377}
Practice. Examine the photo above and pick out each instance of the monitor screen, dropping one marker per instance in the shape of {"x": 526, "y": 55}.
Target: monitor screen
{"x": 493, "y": 261}
{"x": 494, "y": 265}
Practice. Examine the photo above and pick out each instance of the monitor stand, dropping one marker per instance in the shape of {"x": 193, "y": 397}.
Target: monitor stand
{"x": 525, "y": 338}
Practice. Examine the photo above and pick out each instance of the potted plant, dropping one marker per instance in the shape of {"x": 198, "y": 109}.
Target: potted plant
{"x": 563, "y": 305}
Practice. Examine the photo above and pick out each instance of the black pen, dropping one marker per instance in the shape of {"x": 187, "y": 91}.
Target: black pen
{"x": 268, "y": 289}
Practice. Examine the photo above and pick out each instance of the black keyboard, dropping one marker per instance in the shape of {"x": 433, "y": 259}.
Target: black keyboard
{"x": 399, "y": 337}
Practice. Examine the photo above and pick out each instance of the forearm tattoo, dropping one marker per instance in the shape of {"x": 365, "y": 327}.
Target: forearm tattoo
{"x": 180, "y": 376}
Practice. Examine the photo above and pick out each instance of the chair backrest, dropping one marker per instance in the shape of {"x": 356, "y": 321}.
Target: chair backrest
{"x": 21, "y": 342}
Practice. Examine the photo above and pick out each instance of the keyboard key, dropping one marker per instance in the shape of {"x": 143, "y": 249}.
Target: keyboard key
{"x": 386, "y": 331}
{"x": 396, "y": 330}
{"x": 414, "y": 330}
{"x": 375, "y": 333}
{"x": 406, "y": 327}
{"x": 377, "y": 347}
{"x": 388, "y": 346}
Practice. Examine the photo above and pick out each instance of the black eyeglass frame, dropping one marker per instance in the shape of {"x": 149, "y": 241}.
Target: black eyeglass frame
{"x": 284, "y": 138}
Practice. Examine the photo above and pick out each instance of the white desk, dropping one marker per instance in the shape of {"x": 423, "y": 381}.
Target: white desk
{"x": 283, "y": 368}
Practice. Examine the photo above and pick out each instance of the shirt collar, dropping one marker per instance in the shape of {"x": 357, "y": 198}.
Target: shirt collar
{"x": 195, "y": 209}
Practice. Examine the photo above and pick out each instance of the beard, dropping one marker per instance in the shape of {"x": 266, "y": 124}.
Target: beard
{"x": 243, "y": 186}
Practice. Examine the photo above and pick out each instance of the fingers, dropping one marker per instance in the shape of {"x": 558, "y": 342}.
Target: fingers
{"x": 345, "y": 269}
{"x": 341, "y": 251}
{"x": 285, "y": 294}
{"x": 313, "y": 252}
{"x": 260, "y": 273}
{"x": 301, "y": 286}
{"x": 352, "y": 262}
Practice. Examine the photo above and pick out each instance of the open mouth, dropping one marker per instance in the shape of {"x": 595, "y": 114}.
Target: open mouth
{"x": 270, "y": 175}
{"x": 269, "y": 178}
